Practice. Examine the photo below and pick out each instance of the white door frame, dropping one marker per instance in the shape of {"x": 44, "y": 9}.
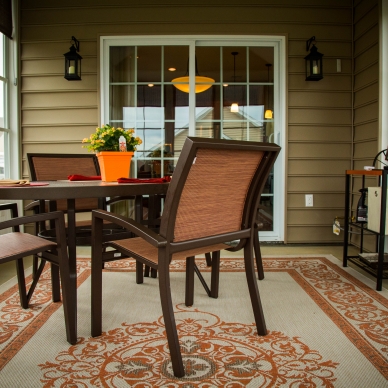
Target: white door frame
{"x": 278, "y": 42}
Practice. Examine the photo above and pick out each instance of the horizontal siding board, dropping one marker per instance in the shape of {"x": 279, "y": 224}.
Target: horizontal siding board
{"x": 316, "y": 184}
{"x": 366, "y": 131}
{"x": 319, "y": 99}
{"x": 55, "y": 100}
{"x": 366, "y": 58}
{"x": 28, "y": 4}
{"x": 366, "y": 113}
{"x": 365, "y": 149}
{"x": 55, "y": 134}
{"x": 183, "y": 13}
{"x": 366, "y": 22}
{"x": 313, "y": 216}
{"x": 55, "y": 148}
{"x": 363, "y": 7}
{"x": 49, "y": 49}
{"x": 366, "y": 40}
{"x": 319, "y": 133}
{"x": 294, "y": 30}
{"x": 55, "y": 83}
{"x": 367, "y": 94}
{"x": 321, "y": 116}
{"x": 317, "y": 167}
{"x": 56, "y": 116}
{"x": 319, "y": 150}
{"x": 306, "y": 234}
{"x": 366, "y": 77}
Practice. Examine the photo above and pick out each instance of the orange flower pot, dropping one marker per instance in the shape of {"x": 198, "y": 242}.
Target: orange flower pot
{"x": 114, "y": 165}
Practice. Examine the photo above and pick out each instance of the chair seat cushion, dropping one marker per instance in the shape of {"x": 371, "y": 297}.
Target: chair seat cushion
{"x": 16, "y": 243}
{"x": 142, "y": 248}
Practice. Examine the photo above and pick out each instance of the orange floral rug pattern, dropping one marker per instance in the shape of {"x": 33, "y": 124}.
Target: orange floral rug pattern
{"x": 215, "y": 354}
{"x": 18, "y": 325}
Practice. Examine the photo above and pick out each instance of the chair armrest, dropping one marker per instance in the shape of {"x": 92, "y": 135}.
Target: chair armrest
{"x": 10, "y": 206}
{"x": 138, "y": 229}
{"x": 58, "y": 215}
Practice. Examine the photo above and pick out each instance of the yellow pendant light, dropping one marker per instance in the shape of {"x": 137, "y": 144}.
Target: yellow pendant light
{"x": 268, "y": 114}
{"x": 201, "y": 83}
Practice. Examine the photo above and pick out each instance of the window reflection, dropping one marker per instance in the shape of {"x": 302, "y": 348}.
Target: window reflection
{"x": 143, "y": 97}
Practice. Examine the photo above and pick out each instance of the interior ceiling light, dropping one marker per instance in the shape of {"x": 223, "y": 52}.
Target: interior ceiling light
{"x": 171, "y": 69}
{"x": 268, "y": 114}
{"x": 150, "y": 85}
{"x": 234, "y": 106}
{"x": 201, "y": 83}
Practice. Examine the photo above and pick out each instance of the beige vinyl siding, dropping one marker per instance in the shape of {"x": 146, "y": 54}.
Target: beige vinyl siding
{"x": 57, "y": 114}
{"x": 366, "y": 94}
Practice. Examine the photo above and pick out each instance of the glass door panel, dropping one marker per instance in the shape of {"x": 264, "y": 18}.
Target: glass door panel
{"x": 233, "y": 98}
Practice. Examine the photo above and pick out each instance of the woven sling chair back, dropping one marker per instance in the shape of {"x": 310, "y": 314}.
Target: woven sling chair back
{"x": 54, "y": 167}
{"x": 211, "y": 200}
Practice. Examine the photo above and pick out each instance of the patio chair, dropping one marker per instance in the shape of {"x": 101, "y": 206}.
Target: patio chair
{"x": 49, "y": 167}
{"x": 16, "y": 245}
{"x": 209, "y": 203}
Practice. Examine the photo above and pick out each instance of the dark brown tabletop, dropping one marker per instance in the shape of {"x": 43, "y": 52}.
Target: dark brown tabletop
{"x": 81, "y": 189}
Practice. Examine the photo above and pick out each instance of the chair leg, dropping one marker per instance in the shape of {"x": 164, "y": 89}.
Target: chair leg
{"x": 189, "y": 294}
{"x": 208, "y": 257}
{"x": 96, "y": 279}
{"x": 146, "y": 271}
{"x": 35, "y": 279}
{"x": 154, "y": 273}
{"x": 21, "y": 283}
{"x": 69, "y": 296}
{"x": 139, "y": 272}
{"x": 55, "y": 284}
{"x": 169, "y": 320}
{"x": 215, "y": 274}
{"x": 253, "y": 289}
{"x": 259, "y": 260}
{"x": 35, "y": 265}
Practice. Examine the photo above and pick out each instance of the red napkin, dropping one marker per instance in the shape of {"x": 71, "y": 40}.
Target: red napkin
{"x": 146, "y": 180}
{"x": 83, "y": 178}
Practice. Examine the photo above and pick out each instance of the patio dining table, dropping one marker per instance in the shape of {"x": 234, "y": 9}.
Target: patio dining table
{"x": 71, "y": 190}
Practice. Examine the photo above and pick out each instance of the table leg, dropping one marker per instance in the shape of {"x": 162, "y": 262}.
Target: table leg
{"x": 71, "y": 235}
{"x": 72, "y": 250}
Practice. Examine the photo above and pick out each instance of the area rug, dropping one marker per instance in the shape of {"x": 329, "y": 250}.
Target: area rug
{"x": 327, "y": 327}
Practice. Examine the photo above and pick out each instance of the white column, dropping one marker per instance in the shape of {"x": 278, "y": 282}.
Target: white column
{"x": 383, "y": 73}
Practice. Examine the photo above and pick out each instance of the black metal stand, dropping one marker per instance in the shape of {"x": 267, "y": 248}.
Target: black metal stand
{"x": 379, "y": 273}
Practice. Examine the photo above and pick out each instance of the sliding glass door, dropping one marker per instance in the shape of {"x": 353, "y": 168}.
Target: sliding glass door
{"x": 170, "y": 88}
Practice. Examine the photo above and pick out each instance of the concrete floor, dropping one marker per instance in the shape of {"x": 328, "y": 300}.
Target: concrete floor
{"x": 8, "y": 270}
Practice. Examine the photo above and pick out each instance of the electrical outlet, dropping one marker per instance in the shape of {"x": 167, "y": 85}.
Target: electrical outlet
{"x": 309, "y": 199}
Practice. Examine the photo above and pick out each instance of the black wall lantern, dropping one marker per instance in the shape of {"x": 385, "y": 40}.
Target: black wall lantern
{"x": 314, "y": 70}
{"x": 73, "y": 62}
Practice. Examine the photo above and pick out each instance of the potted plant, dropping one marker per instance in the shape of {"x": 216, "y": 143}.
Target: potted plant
{"x": 114, "y": 148}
